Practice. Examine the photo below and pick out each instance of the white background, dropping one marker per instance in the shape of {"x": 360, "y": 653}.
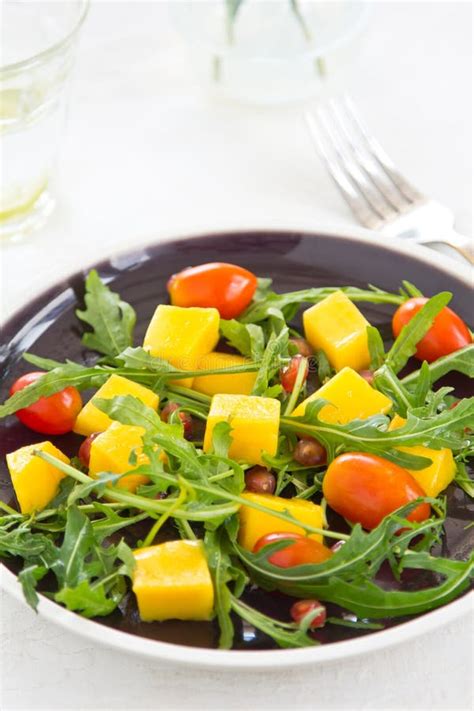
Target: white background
{"x": 147, "y": 150}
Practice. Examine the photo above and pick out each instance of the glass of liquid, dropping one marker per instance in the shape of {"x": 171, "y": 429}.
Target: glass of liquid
{"x": 37, "y": 49}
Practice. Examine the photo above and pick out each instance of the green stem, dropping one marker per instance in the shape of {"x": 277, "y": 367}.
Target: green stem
{"x": 8, "y": 509}
{"x": 181, "y": 498}
{"x": 141, "y": 502}
{"x": 300, "y": 378}
{"x": 189, "y": 394}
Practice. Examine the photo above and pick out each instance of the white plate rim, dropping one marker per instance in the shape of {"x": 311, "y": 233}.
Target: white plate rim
{"x": 269, "y": 659}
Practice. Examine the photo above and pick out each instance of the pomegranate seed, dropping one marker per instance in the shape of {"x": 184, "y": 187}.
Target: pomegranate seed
{"x": 302, "y": 346}
{"x": 367, "y": 375}
{"x": 185, "y": 417}
{"x": 301, "y": 608}
{"x": 84, "y": 452}
{"x": 309, "y": 452}
{"x": 260, "y": 480}
{"x": 288, "y": 373}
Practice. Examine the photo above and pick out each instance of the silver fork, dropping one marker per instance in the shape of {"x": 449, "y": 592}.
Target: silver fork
{"x": 378, "y": 195}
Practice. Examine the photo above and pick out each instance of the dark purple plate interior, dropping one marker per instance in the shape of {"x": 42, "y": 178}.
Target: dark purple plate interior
{"x": 48, "y": 327}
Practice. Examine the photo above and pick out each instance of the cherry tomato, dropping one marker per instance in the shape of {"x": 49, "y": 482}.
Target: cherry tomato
{"x": 448, "y": 333}
{"x": 289, "y": 372}
{"x": 365, "y": 488}
{"x": 226, "y": 287}
{"x": 301, "y": 608}
{"x": 303, "y": 551}
{"x": 84, "y": 452}
{"x": 53, "y": 415}
{"x": 185, "y": 417}
{"x": 260, "y": 480}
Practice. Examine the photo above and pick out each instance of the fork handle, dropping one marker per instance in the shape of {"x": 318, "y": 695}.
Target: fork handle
{"x": 462, "y": 245}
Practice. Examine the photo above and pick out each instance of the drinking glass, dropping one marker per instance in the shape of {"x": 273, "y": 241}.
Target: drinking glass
{"x": 38, "y": 46}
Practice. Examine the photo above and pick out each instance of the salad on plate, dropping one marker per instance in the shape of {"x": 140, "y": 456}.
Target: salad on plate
{"x": 255, "y": 446}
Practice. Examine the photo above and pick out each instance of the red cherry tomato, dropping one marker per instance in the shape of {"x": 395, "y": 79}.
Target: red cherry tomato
{"x": 365, "y": 488}
{"x": 226, "y": 287}
{"x": 53, "y": 415}
{"x": 301, "y": 608}
{"x": 448, "y": 333}
{"x": 289, "y": 373}
{"x": 303, "y": 551}
{"x": 84, "y": 452}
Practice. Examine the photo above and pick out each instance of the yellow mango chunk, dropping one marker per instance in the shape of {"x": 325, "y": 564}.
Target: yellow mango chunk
{"x": 172, "y": 581}
{"x": 111, "y": 452}
{"x": 351, "y": 398}
{"x": 181, "y": 335}
{"x": 36, "y": 482}
{"x": 236, "y": 384}
{"x": 254, "y": 523}
{"x": 254, "y": 421}
{"x": 439, "y": 474}
{"x": 337, "y": 327}
{"x": 91, "y": 419}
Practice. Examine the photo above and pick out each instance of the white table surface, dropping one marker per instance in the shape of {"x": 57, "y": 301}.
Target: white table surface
{"x": 147, "y": 151}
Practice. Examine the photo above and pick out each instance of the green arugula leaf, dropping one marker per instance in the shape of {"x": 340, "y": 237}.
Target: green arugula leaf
{"x": 45, "y": 363}
{"x": 285, "y": 634}
{"x": 89, "y": 601}
{"x": 70, "y": 374}
{"x": 410, "y": 289}
{"x": 221, "y": 439}
{"x": 464, "y": 480}
{"x": 78, "y": 541}
{"x": 142, "y": 359}
{"x": 376, "y": 348}
{"x": 411, "y": 334}
{"x": 325, "y": 370}
{"x": 223, "y": 573}
{"x": 371, "y": 435}
{"x": 259, "y": 309}
{"x": 366, "y": 599}
{"x": 461, "y": 361}
{"x": 111, "y": 319}
{"x": 387, "y": 382}
{"x": 29, "y": 578}
{"x": 270, "y": 362}
{"x": 248, "y": 339}
{"x": 423, "y": 386}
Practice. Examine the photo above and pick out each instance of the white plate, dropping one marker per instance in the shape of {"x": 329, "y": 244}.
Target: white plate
{"x": 254, "y": 660}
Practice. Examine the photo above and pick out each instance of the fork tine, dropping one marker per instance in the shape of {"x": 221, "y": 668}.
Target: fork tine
{"x": 352, "y": 168}
{"x": 378, "y": 152}
{"x": 359, "y": 206}
{"x": 366, "y": 159}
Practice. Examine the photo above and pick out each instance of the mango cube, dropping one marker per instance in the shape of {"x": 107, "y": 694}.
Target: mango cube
{"x": 236, "y": 384}
{"x": 111, "y": 452}
{"x": 172, "y": 581}
{"x": 91, "y": 419}
{"x": 337, "y": 327}
{"x": 254, "y": 523}
{"x": 36, "y": 482}
{"x": 181, "y": 335}
{"x": 254, "y": 421}
{"x": 351, "y": 398}
{"x": 439, "y": 474}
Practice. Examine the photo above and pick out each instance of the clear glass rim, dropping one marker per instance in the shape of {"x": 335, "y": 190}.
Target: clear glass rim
{"x": 50, "y": 51}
